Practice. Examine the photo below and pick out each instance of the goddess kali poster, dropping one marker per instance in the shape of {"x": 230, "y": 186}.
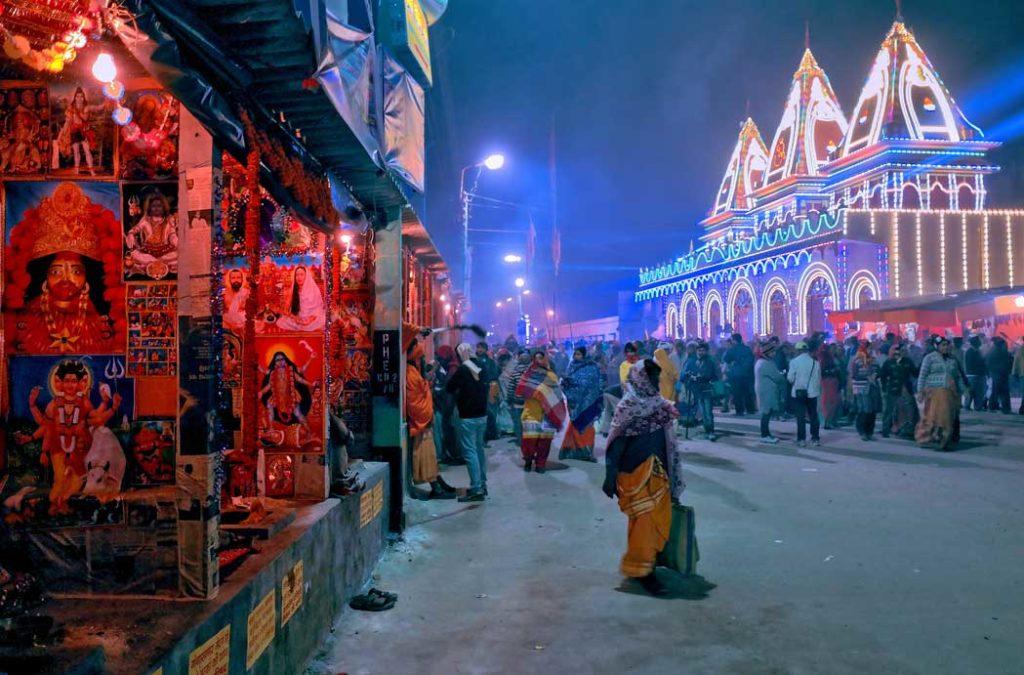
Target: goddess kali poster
{"x": 63, "y": 291}
{"x": 24, "y": 129}
{"x": 291, "y": 396}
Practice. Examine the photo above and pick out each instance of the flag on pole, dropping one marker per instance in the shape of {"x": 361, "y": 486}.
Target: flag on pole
{"x": 531, "y": 242}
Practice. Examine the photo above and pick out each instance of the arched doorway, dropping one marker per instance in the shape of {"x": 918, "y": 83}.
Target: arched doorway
{"x": 691, "y": 320}
{"x": 778, "y": 314}
{"x": 818, "y": 304}
{"x": 672, "y": 322}
{"x": 743, "y": 314}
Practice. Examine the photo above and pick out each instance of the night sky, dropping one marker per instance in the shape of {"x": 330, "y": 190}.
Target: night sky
{"x": 646, "y": 98}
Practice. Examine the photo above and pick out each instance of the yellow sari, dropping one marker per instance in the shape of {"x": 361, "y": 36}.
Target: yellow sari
{"x": 644, "y": 498}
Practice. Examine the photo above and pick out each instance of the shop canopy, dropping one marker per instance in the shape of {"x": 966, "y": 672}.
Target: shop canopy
{"x": 937, "y": 311}
{"x": 261, "y": 56}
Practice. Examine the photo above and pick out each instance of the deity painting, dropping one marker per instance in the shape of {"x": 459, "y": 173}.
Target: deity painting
{"x": 280, "y": 476}
{"x": 82, "y": 130}
{"x": 234, "y": 201}
{"x": 291, "y": 393}
{"x": 24, "y": 129}
{"x": 151, "y": 231}
{"x": 353, "y": 320}
{"x": 149, "y": 145}
{"x": 63, "y": 292}
{"x": 236, "y": 293}
{"x": 231, "y": 360}
{"x": 152, "y": 329}
{"x": 290, "y": 295}
{"x": 151, "y": 451}
{"x": 355, "y": 369}
{"x": 66, "y": 414}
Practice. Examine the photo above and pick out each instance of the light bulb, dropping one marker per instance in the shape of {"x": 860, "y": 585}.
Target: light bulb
{"x": 104, "y": 69}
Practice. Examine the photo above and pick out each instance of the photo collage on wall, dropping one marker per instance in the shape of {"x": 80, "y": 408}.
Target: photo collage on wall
{"x": 290, "y": 325}
{"x": 351, "y": 337}
{"x": 89, "y": 293}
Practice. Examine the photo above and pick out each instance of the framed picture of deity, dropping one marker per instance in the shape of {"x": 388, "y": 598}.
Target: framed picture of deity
{"x": 24, "y": 128}
{"x": 150, "y": 230}
{"x": 81, "y": 129}
{"x": 68, "y": 422}
{"x": 151, "y": 452}
{"x": 291, "y": 395}
{"x": 148, "y": 147}
{"x": 63, "y": 287}
{"x": 291, "y": 295}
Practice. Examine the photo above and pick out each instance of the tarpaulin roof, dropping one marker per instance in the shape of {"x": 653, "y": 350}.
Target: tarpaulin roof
{"x": 262, "y": 52}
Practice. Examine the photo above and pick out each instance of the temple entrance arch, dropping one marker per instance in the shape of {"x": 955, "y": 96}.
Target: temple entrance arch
{"x": 817, "y": 296}
{"x": 690, "y": 318}
{"x": 713, "y": 314}
{"x": 742, "y": 313}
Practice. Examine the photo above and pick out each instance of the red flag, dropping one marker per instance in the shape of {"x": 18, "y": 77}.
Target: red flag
{"x": 556, "y": 249}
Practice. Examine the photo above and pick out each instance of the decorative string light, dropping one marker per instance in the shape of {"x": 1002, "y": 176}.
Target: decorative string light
{"x": 872, "y": 223}
{"x": 917, "y": 245}
{"x": 896, "y": 252}
{"x": 1009, "y": 247}
{"x": 984, "y": 252}
{"x": 963, "y": 247}
{"x": 942, "y": 252}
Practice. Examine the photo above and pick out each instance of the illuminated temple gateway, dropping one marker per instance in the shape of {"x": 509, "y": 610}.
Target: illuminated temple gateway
{"x": 879, "y": 216}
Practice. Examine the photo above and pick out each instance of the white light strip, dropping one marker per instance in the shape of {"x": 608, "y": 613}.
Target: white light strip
{"x": 942, "y": 253}
{"x": 896, "y": 253}
{"x": 1009, "y": 248}
{"x": 920, "y": 268}
{"x": 963, "y": 246}
{"x": 872, "y": 223}
{"x": 984, "y": 251}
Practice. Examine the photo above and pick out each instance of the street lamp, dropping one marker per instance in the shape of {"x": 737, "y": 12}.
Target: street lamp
{"x": 551, "y": 313}
{"x": 520, "y": 282}
{"x": 498, "y": 304}
{"x": 526, "y": 291}
{"x": 492, "y": 162}
{"x": 513, "y": 258}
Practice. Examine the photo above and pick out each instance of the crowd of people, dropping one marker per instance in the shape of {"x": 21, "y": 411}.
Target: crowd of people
{"x": 641, "y": 394}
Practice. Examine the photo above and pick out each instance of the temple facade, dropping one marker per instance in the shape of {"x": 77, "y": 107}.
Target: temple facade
{"x": 841, "y": 212}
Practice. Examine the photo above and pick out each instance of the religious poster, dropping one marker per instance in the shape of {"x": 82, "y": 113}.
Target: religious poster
{"x": 353, "y": 322}
{"x": 63, "y": 289}
{"x": 149, "y": 146}
{"x": 291, "y": 296}
{"x": 235, "y": 275}
{"x": 291, "y": 395}
{"x": 355, "y": 369}
{"x": 231, "y": 360}
{"x": 81, "y": 129}
{"x": 68, "y": 421}
{"x": 152, "y": 329}
{"x": 280, "y": 475}
{"x": 150, "y": 230}
{"x": 24, "y": 129}
{"x": 151, "y": 452}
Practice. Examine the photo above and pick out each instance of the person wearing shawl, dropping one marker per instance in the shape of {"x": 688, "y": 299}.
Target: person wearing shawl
{"x": 583, "y": 391}
{"x": 470, "y": 393}
{"x": 543, "y": 411}
{"x": 940, "y": 383}
{"x": 867, "y": 394}
{"x": 419, "y": 415}
{"x": 513, "y": 373}
{"x": 641, "y": 469}
{"x": 669, "y": 371}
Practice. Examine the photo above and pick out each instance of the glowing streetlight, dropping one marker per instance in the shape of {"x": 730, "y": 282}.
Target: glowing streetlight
{"x": 508, "y": 299}
{"x": 495, "y": 161}
{"x": 526, "y": 291}
{"x": 498, "y": 304}
{"x": 551, "y": 313}
{"x": 444, "y": 297}
{"x": 513, "y": 258}
{"x": 520, "y": 282}
{"x": 447, "y": 307}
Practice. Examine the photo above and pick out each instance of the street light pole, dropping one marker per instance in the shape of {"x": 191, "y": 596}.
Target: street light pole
{"x": 467, "y": 260}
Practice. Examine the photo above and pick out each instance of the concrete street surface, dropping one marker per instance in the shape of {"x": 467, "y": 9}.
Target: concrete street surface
{"x": 849, "y": 558}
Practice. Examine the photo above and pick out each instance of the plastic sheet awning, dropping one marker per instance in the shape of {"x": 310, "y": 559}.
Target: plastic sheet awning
{"x": 261, "y": 55}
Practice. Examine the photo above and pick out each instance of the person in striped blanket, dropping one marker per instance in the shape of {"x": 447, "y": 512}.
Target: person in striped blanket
{"x": 544, "y": 411}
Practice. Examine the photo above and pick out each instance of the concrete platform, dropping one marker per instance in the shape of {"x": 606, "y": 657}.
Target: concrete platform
{"x": 303, "y": 577}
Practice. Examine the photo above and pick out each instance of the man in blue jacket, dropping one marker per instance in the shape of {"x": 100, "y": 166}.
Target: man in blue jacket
{"x": 740, "y": 360}
{"x": 698, "y": 374}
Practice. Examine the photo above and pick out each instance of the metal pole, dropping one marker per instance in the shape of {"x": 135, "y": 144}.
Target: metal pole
{"x": 465, "y": 235}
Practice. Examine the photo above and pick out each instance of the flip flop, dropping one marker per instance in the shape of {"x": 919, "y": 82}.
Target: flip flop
{"x": 371, "y": 603}
{"x": 383, "y": 594}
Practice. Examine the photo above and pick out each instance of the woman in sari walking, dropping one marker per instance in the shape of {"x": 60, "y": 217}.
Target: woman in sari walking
{"x": 940, "y": 384}
{"x": 543, "y": 411}
{"x": 583, "y": 387}
{"x": 641, "y": 469}
{"x": 867, "y": 394}
{"x": 830, "y": 403}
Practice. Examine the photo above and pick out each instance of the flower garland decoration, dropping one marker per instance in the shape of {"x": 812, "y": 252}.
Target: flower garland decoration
{"x": 250, "y": 367}
{"x": 311, "y": 192}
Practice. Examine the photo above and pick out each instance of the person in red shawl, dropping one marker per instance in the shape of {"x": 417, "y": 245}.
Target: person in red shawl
{"x": 419, "y": 415}
{"x": 544, "y": 411}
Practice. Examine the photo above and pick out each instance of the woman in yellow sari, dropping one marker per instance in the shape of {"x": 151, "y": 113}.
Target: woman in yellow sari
{"x": 641, "y": 470}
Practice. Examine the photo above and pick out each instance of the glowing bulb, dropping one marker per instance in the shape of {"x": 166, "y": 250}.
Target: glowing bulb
{"x": 346, "y": 239}
{"x": 444, "y": 297}
{"x": 447, "y": 307}
{"x": 551, "y": 312}
{"x": 513, "y": 258}
{"x": 526, "y": 292}
{"x": 1019, "y": 301}
{"x": 498, "y": 304}
{"x": 508, "y": 299}
{"x": 520, "y": 282}
{"x": 495, "y": 161}
{"x": 104, "y": 69}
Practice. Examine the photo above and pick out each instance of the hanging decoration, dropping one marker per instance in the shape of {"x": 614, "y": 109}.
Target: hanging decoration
{"x": 46, "y": 35}
{"x": 250, "y": 367}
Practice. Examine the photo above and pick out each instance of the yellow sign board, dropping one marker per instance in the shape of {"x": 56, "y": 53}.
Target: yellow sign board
{"x": 378, "y": 498}
{"x": 291, "y": 593}
{"x": 365, "y": 508}
{"x": 211, "y": 657}
{"x": 260, "y": 629}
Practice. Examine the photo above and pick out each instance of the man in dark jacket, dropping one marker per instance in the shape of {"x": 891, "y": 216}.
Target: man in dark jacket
{"x": 698, "y": 374}
{"x": 999, "y": 362}
{"x": 470, "y": 392}
{"x": 740, "y": 360}
{"x": 897, "y": 377}
{"x": 974, "y": 364}
{"x": 489, "y": 372}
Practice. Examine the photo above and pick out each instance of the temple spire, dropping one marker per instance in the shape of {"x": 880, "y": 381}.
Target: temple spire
{"x": 807, "y": 34}
{"x": 899, "y": 11}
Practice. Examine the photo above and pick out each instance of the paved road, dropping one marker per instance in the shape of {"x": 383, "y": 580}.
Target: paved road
{"x": 849, "y": 558}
